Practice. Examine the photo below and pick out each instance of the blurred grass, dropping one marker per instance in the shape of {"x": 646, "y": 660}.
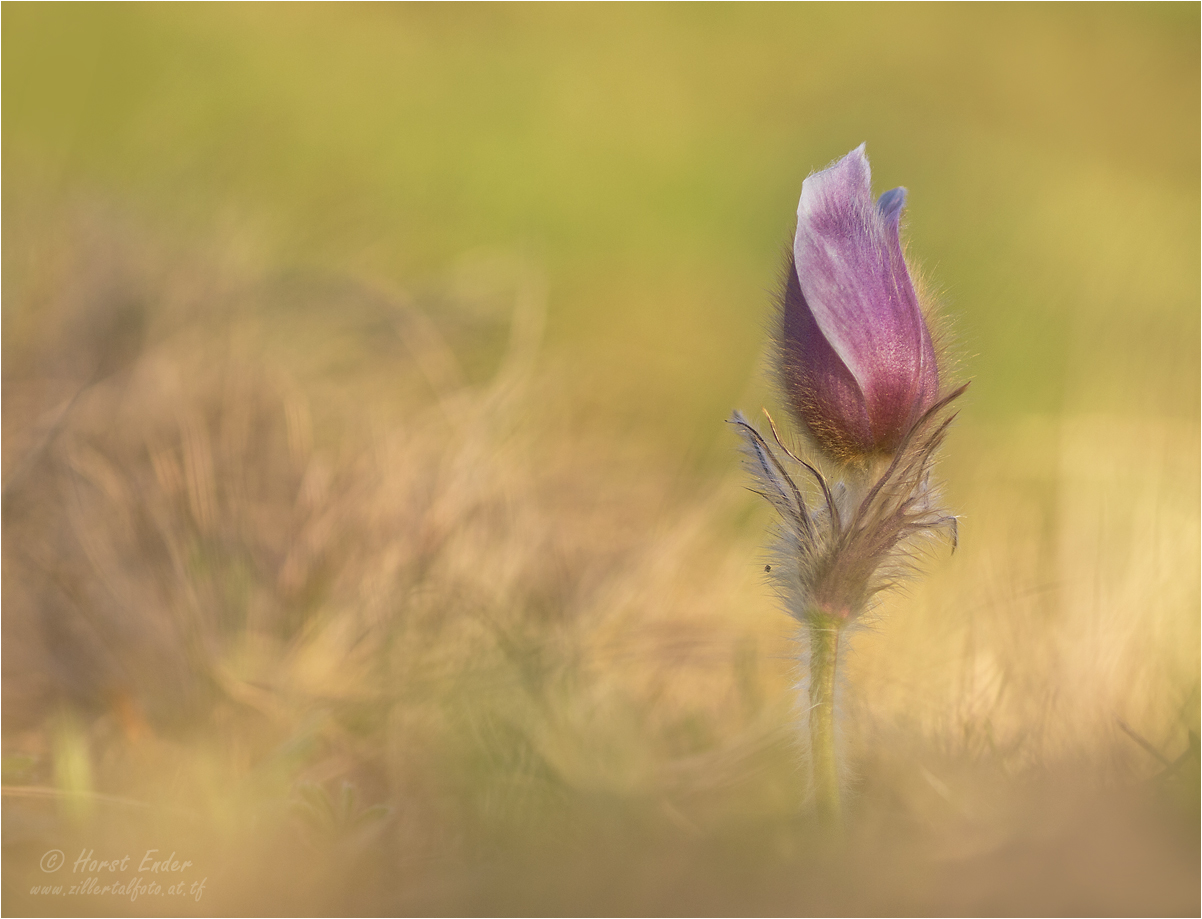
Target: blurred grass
{"x": 363, "y": 376}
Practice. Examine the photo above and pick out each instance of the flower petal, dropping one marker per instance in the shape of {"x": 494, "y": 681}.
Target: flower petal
{"x": 854, "y": 280}
{"x": 824, "y": 393}
{"x": 890, "y": 205}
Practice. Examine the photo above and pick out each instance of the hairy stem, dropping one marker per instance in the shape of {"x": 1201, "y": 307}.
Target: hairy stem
{"x": 824, "y": 656}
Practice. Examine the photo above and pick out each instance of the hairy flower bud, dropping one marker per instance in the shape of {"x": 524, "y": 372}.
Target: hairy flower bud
{"x": 859, "y": 369}
{"x": 856, "y": 360}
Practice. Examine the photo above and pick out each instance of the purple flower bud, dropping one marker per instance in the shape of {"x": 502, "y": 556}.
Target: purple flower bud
{"x": 857, "y": 363}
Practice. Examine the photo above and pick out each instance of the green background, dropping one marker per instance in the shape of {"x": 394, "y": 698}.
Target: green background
{"x": 649, "y": 158}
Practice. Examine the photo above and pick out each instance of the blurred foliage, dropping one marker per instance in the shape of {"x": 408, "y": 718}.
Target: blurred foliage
{"x": 650, "y": 158}
{"x": 370, "y": 525}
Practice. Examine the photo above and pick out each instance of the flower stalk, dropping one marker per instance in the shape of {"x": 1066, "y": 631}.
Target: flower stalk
{"x": 824, "y": 659}
{"x": 859, "y": 372}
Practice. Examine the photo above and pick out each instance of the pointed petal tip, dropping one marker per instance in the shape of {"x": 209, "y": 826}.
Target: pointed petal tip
{"x": 855, "y": 159}
{"x": 849, "y": 177}
{"x": 859, "y": 156}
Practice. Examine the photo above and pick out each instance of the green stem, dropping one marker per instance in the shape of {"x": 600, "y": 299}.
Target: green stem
{"x": 824, "y": 656}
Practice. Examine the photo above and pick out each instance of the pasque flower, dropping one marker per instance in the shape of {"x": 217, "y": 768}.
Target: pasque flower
{"x": 859, "y": 371}
{"x": 856, "y": 358}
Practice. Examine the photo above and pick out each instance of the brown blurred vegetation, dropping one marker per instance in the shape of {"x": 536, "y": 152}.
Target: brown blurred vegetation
{"x": 359, "y": 635}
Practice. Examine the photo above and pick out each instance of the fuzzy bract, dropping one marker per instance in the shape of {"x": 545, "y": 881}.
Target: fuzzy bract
{"x": 839, "y": 547}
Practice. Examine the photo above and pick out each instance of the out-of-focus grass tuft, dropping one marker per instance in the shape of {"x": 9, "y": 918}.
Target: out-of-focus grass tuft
{"x": 239, "y": 574}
